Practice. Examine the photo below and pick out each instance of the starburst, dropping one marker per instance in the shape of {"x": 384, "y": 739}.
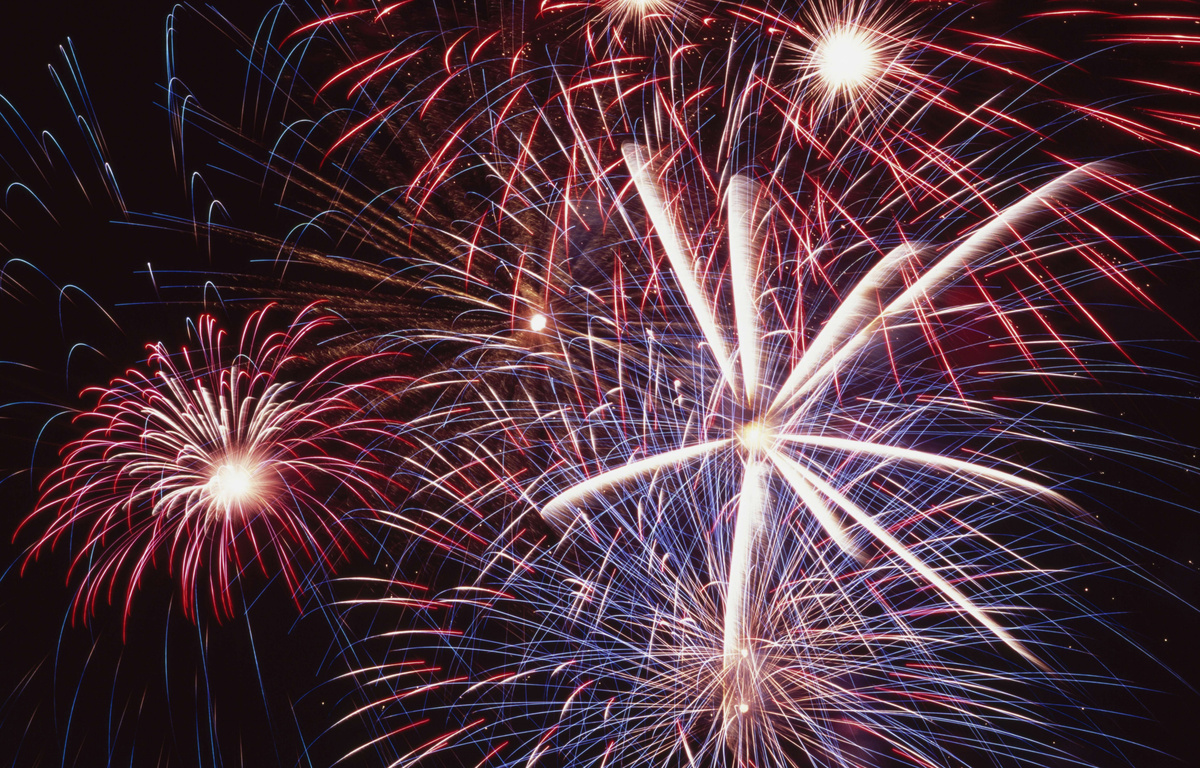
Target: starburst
{"x": 212, "y": 462}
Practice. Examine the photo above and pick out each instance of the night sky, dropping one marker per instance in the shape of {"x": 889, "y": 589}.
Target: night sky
{"x": 159, "y": 689}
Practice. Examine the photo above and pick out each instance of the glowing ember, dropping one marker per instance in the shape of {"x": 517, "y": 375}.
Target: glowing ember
{"x": 232, "y": 487}
{"x": 847, "y": 59}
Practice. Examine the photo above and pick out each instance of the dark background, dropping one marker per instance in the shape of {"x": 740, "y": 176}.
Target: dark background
{"x": 247, "y": 692}
{"x": 158, "y": 690}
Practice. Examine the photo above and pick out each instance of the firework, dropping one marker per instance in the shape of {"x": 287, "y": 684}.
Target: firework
{"x": 213, "y": 460}
{"x": 753, "y": 535}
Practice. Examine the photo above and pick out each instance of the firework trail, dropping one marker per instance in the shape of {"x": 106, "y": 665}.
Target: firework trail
{"x": 213, "y": 462}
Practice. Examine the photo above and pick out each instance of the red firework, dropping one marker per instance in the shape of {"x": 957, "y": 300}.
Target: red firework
{"x": 212, "y": 462}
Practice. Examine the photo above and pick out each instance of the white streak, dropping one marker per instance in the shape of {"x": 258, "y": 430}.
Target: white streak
{"x": 578, "y": 494}
{"x": 740, "y": 600}
{"x": 825, "y": 516}
{"x": 860, "y": 308}
{"x": 745, "y": 244}
{"x": 978, "y": 245}
{"x": 930, "y": 459}
{"x": 929, "y": 574}
{"x": 678, "y": 254}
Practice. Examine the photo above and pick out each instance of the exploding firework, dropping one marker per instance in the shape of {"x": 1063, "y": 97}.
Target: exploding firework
{"x": 751, "y": 543}
{"x": 214, "y": 462}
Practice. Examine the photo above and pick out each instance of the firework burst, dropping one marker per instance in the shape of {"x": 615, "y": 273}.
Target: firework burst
{"x": 755, "y": 532}
{"x": 212, "y": 462}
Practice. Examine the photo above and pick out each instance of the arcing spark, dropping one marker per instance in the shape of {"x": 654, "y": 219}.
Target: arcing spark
{"x": 213, "y": 461}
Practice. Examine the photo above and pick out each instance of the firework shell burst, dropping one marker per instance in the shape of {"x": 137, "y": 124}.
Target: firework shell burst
{"x": 213, "y": 460}
{"x": 749, "y": 543}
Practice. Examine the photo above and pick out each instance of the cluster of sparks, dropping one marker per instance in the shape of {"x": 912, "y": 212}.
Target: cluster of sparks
{"x": 213, "y": 463}
{"x": 713, "y": 444}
